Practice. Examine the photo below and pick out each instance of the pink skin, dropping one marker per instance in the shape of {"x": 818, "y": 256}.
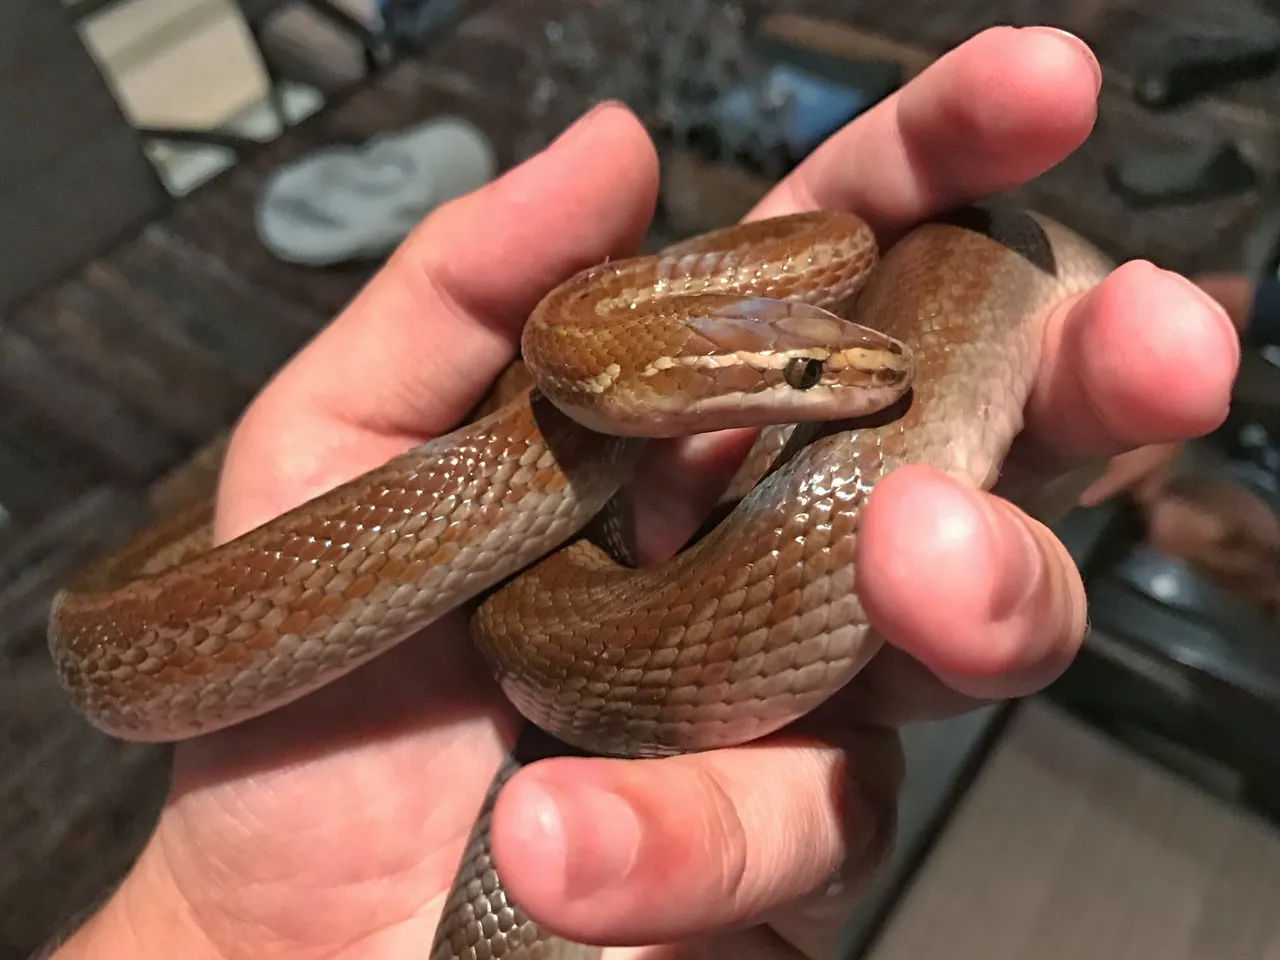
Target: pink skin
{"x": 332, "y": 828}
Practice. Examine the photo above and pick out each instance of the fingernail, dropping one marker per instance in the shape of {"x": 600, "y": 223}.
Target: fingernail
{"x": 1023, "y": 566}
{"x": 1079, "y": 46}
{"x": 1203, "y": 296}
{"x": 599, "y": 835}
{"x": 530, "y": 173}
{"x": 872, "y": 829}
{"x": 579, "y": 126}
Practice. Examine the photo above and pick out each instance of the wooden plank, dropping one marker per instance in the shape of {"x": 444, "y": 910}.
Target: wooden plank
{"x": 31, "y": 487}
{"x": 105, "y": 330}
{"x": 195, "y": 479}
{"x": 75, "y": 807}
{"x": 49, "y": 469}
{"x": 700, "y": 195}
{"x": 35, "y": 564}
{"x": 171, "y": 284}
{"x": 839, "y": 39}
{"x": 134, "y": 447}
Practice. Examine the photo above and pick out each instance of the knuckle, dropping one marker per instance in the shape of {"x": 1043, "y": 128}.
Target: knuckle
{"x": 725, "y": 837}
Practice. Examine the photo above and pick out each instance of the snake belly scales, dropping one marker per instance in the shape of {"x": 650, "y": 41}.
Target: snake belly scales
{"x": 741, "y": 633}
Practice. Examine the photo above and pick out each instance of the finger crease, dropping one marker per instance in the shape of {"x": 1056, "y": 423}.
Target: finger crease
{"x": 726, "y": 837}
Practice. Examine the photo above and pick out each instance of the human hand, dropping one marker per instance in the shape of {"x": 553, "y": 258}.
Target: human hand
{"x": 1144, "y": 473}
{"x": 1141, "y": 473}
{"x": 1229, "y": 534}
{"x": 333, "y": 826}
{"x": 1234, "y": 291}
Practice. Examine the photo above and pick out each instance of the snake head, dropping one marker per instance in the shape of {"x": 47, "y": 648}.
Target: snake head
{"x": 718, "y": 361}
{"x": 769, "y": 361}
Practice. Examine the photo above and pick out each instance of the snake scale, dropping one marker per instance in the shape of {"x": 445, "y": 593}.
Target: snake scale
{"x": 747, "y": 629}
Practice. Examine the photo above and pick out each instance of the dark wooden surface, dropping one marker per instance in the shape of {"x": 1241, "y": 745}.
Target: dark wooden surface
{"x": 1185, "y": 237}
{"x": 115, "y": 377}
{"x": 61, "y": 128}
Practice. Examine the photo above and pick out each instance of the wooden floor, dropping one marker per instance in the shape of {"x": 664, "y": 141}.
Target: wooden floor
{"x": 116, "y": 377}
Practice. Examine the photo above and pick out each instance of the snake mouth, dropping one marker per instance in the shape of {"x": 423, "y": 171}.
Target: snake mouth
{"x": 776, "y": 403}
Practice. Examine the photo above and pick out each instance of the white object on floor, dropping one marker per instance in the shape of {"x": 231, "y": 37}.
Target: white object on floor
{"x": 345, "y": 203}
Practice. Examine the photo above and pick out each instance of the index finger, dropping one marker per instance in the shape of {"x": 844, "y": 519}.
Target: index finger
{"x": 989, "y": 115}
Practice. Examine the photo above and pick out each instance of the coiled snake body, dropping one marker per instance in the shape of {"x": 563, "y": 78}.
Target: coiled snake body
{"x": 743, "y": 632}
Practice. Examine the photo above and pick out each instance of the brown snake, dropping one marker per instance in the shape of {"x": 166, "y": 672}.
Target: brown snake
{"x": 746, "y": 630}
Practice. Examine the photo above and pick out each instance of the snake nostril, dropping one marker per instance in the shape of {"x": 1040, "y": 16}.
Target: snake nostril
{"x": 803, "y": 372}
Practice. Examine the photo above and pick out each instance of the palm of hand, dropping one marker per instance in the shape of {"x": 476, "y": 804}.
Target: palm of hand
{"x": 341, "y": 817}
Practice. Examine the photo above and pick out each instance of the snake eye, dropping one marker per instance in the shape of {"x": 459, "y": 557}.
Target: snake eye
{"x": 803, "y": 372}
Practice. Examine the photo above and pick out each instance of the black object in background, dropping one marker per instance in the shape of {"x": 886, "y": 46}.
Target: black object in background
{"x": 411, "y": 26}
{"x": 820, "y": 93}
{"x": 1263, "y": 324}
{"x": 1187, "y": 67}
{"x": 850, "y": 86}
{"x": 1196, "y": 173}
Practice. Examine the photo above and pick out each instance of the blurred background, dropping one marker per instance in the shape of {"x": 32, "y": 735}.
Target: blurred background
{"x": 190, "y": 188}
